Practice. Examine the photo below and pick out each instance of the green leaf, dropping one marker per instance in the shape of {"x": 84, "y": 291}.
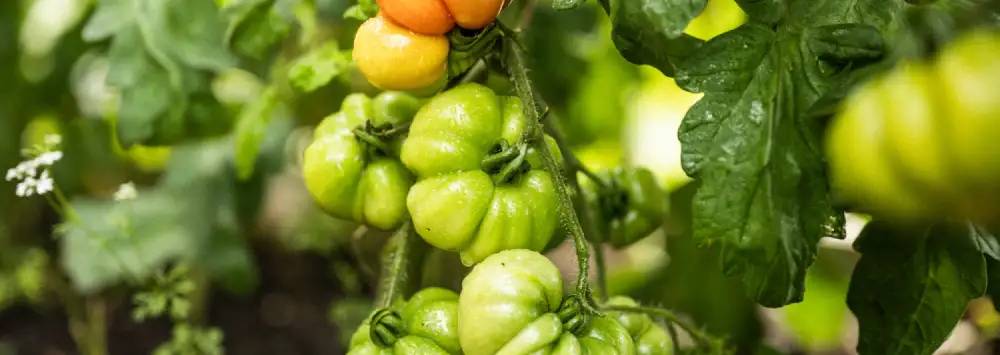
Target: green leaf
{"x": 255, "y": 26}
{"x": 110, "y": 17}
{"x": 764, "y": 195}
{"x": 986, "y": 241}
{"x": 993, "y": 283}
{"x": 652, "y": 31}
{"x": 129, "y": 241}
{"x": 364, "y": 10}
{"x": 255, "y": 118}
{"x": 316, "y": 68}
{"x": 160, "y": 58}
{"x": 910, "y": 288}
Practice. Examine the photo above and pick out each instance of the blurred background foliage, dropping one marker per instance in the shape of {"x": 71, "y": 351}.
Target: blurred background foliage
{"x": 222, "y": 195}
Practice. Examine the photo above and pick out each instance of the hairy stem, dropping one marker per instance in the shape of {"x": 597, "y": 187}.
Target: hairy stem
{"x": 602, "y": 273}
{"x": 514, "y": 62}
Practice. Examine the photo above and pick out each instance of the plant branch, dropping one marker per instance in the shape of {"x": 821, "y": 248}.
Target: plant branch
{"x": 602, "y": 273}
{"x": 514, "y": 62}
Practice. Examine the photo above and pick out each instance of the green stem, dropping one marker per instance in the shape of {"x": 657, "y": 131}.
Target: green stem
{"x": 699, "y": 336}
{"x": 397, "y": 264}
{"x": 517, "y": 69}
{"x": 602, "y": 273}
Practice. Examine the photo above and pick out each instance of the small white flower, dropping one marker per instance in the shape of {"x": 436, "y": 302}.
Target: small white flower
{"x": 26, "y": 188}
{"x": 48, "y": 158}
{"x": 12, "y": 174}
{"x": 126, "y": 191}
{"x": 53, "y": 140}
{"x": 44, "y": 184}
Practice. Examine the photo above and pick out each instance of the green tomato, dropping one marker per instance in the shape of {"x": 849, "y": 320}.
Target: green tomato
{"x": 455, "y": 204}
{"x": 919, "y": 141}
{"x": 508, "y": 306}
{"x": 968, "y": 74}
{"x": 860, "y": 171}
{"x": 650, "y": 337}
{"x": 632, "y": 206}
{"x": 430, "y": 326}
{"x": 345, "y": 178}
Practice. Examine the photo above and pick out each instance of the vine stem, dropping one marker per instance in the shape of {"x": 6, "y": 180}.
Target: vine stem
{"x": 514, "y": 62}
{"x": 698, "y": 335}
{"x": 602, "y": 274}
{"x": 395, "y": 272}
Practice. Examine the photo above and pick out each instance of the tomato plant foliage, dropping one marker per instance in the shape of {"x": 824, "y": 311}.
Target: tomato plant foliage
{"x": 754, "y": 143}
{"x": 161, "y": 56}
{"x": 913, "y": 286}
{"x": 751, "y": 132}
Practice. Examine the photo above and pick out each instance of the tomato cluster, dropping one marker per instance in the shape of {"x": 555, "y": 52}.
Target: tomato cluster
{"x": 404, "y": 47}
{"x": 922, "y": 140}
{"x": 464, "y": 173}
{"x": 349, "y": 178}
{"x": 511, "y": 303}
{"x": 458, "y": 147}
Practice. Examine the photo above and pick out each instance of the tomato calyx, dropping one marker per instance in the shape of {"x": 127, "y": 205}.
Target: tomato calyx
{"x": 574, "y": 313}
{"x": 469, "y": 46}
{"x": 506, "y": 162}
{"x": 377, "y": 138}
{"x": 386, "y": 327}
{"x": 613, "y": 199}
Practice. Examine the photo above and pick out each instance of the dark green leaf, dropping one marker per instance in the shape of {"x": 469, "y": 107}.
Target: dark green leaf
{"x": 911, "y": 287}
{"x": 764, "y": 194}
{"x": 652, "y": 31}
{"x": 993, "y": 283}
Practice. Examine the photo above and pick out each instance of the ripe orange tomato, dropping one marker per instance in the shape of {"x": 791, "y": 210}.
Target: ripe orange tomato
{"x": 394, "y": 58}
{"x": 429, "y": 17}
{"x": 474, "y": 14}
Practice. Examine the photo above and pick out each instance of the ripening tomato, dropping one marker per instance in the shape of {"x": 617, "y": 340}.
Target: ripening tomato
{"x": 394, "y": 58}
{"x": 508, "y": 305}
{"x": 921, "y": 140}
{"x": 346, "y": 180}
{"x": 474, "y": 14}
{"x": 429, "y": 322}
{"x": 430, "y": 17}
{"x": 629, "y": 207}
{"x": 456, "y": 205}
{"x": 650, "y": 337}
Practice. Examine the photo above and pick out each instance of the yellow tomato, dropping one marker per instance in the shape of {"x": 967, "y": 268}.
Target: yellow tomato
{"x": 394, "y": 58}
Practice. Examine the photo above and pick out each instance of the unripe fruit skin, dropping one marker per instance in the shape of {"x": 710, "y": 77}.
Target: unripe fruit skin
{"x": 429, "y": 17}
{"x": 392, "y": 57}
{"x": 969, "y": 96}
{"x": 474, "y": 14}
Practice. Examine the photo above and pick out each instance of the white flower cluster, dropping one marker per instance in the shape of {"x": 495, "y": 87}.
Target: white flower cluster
{"x": 33, "y": 175}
